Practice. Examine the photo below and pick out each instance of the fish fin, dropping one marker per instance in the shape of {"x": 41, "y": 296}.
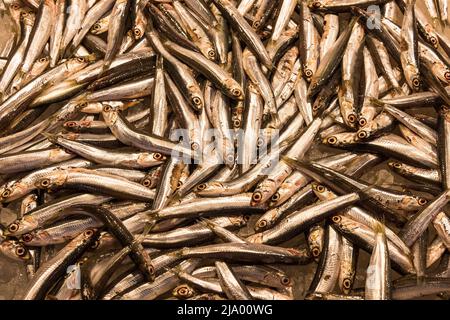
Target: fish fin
{"x": 371, "y": 100}
{"x": 92, "y": 57}
{"x": 20, "y": 78}
{"x": 153, "y": 216}
{"x": 294, "y": 163}
{"x": 80, "y": 99}
{"x": 176, "y": 197}
{"x": 275, "y": 119}
{"x": 172, "y": 270}
{"x": 379, "y": 227}
{"x": 70, "y": 50}
{"x": 208, "y": 223}
{"x": 376, "y": 102}
{"x": 369, "y": 187}
{"x": 53, "y": 138}
{"x": 105, "y": 67}
{"x": 177, "y": 253}
{"x": 147, "y": 228}
{"x": 398, "y": 91}
{"x": 132, "y": 103}
{"x": 322, "y": 113}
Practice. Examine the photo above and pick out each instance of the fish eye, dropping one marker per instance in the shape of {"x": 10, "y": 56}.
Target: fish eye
{"x": 447, "y": 75}
{"x": 194, "y": 146}
{"x": 236, "y": 123}
{"x": 137, "y": 33}
{"x": 285, "y": 280}
{"x": 434, "y": 41}
{"x": 146, "y": 182}
{"x": 183, "y": 291}
{"x": 107, "y": 108}
{"x": 27, "y": 237}
{"x": 179, "y": 184}
{"x": 315, "y": 107}
{"x": 336, "y": 219}
{"x": 256, "y": 24}
{"x": 95, "y": 245}
{"x": 236, "y": 92}
{"x": 13, "y": 227}
{"x": 6, "y": 193}
{"x": 88, "y": 233}
{"x": 196, "y": 101}
{"x": 96, "y": 26}
{"x": 201, "y": 186}
{"x": 276, "y": 197}
{"x": 81, "y": 59}
{"x": 44, "y": 183}
{"x": 83, "y": 104}
{"x": 15, "y": 7}
{"x": 260, "y": 141}
{"x": 42, "y": 60}
{"x": 157, "y": 156}
{"x": 351, "y": 118}
{"x": 315, "y": 252}
{"x": 320, "y": 188}
{"x": 257, "y": 196}
{"x": 151, "y": 269}
{"x": 20, "y": 251}
{"x": 416, "y": 83}
{"x": 211, "y": 53}
{"x": 70, "y": 124}
{"x": 261, "y": 224}
{"x": 230, "y": 158}
{"x": 246, "y": 218}
{"x": 332, "y": 140}
{"x": 347, "y": 283}
{"x": 362, "y": 122}
{"x": 362, "y": 134}
{"x": 422, "y": 201}
{"x": 397, "y": 165}
{"x": 308, "y": 73}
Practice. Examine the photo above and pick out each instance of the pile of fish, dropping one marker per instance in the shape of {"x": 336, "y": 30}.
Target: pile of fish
{"x": 194, "y": 149}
